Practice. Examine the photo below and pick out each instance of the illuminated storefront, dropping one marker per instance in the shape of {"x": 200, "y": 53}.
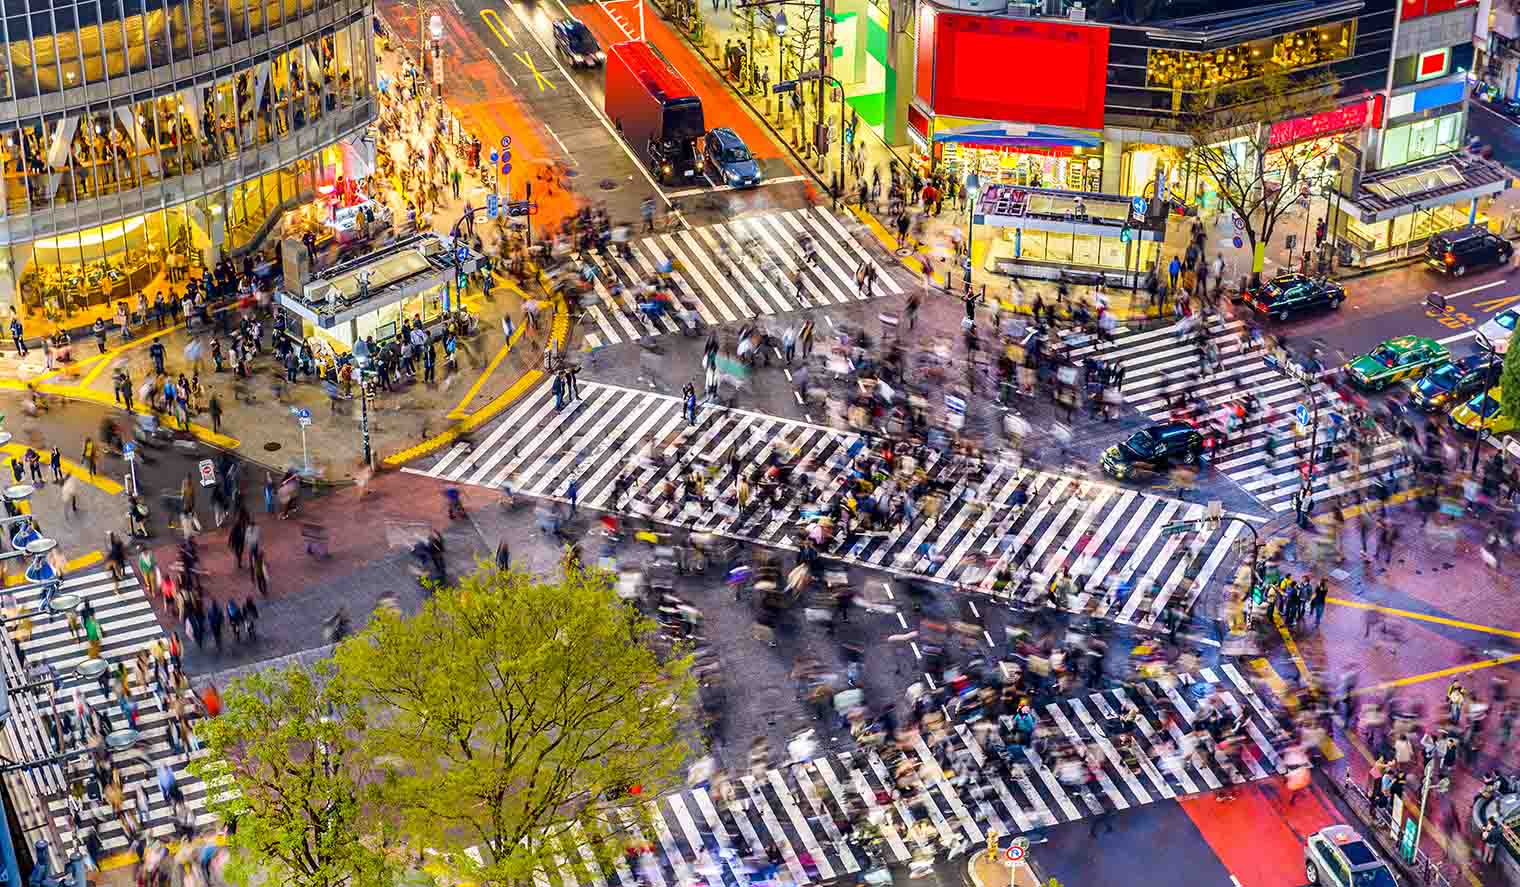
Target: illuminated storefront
{"x": 1185, "y": 71}
{"x": 1044, "y": 233}
{"x": 165, "y": 167}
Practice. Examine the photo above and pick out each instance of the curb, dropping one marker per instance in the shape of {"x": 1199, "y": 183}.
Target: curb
{"x": 559, "y": 334}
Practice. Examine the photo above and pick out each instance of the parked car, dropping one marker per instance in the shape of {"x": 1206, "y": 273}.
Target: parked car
{"x": 1154, "y": 448}
{"x": 1289, "y": 294}
{"x": 574, "y": 41}
{"x": 1499, "y": 328}
{"x": 1461, "y": 250}
{"x": 1454, "y": 382}
{"x": 727, "y": 160}
{"x": 1396, "y": 360}
{"x": 1338, "y": 856}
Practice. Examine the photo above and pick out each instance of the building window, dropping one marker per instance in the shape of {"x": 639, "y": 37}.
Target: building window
{"x": 1190, "y": 71}
{"x": 1417, "y": 141}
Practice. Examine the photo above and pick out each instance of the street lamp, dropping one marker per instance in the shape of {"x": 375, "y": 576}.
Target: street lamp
{"x": 1334, "y": 165}
{"x": 435, "y": 28}
{"x": 1217, "y": 516}
{"x": 973, "y": 188}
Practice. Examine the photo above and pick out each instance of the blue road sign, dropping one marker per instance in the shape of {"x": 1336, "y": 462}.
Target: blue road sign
{"x": 303, "y": 413}
{"x": 1301, "y": 413}
{"x": 492, "y": 205}
{"x": 494, "y": 156}
{"x": 506, "y": 169}
{"x": 1239, "y": 242}
{"x": 1138, "y": 204}
{"x": 462, "y": 253}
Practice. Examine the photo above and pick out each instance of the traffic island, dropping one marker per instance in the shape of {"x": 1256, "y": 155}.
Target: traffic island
{"x": 1002, "y": 872}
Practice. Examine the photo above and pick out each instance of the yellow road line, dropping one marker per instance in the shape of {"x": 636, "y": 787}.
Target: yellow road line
{"x": 1431, "y": 828}
{"x": 89, "y": 559}
{"x": 127, "y": 857}
{"x": 1424, "y": 617}
{"x": 460, "y": 411}
{"x": 77, "y": 392}
{"x": 1327, "y": 747}
{"x": 102, "y": 361}
{"x": 99, "y": 481}
{"x": 1437, "y": 675}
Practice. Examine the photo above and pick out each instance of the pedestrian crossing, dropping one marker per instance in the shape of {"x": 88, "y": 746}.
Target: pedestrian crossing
{"x": 763, "y": 250}
{"x": 128, "y": 624}
{"x": 1157, "y": 365}
{"x": 1035, "y": 524}
{"x": 720, "y": 831}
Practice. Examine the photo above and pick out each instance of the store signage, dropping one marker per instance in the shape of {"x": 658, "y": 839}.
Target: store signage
{"x": 1432, "y": 64}
{"x": 1313, "y": 126}
{"x": 1411, "y": 9}
{"x": 1004, "y": 200}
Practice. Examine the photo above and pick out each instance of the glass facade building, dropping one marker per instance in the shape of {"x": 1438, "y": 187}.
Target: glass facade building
{"x": 139, "y": 138}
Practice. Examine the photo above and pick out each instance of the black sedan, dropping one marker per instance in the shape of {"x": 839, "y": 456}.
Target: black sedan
{"x": 1289, "y": 294}
{"x": 1154, "y": 448}
{"x": 574, "y": 41}
{"x": 1453, "y": 383}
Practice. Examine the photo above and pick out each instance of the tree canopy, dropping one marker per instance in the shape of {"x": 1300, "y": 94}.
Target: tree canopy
{"x": 1230, "y": 131}
{"x": 507, "y": 725}
{"x": 1509, "y": 383}
{"x": 284, "y": 761}
{"x": 520, "y": 714}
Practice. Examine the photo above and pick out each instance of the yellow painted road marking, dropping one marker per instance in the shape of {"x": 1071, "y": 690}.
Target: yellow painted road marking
{"x": 538, "y": 76}
{"x": 1493, "y": 305}
{"x": 1425, "y": 617}
{"x": 1437, "y": 675}
{"x": 88, "y": 559}
{"x": 497, "y": 26}
{"x": 101, "y": 361}
{"x": 1328, "y": 748}
{"x": 79, "y": 392}
{"x": 70, "y": 467}
{"x": 460, "y": 411}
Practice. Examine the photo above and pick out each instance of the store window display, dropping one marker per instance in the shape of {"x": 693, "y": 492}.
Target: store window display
{"x": 61, "y": 159}
{"x": 1190, "y": 71}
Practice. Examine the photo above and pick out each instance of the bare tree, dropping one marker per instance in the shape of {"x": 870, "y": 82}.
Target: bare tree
{"x": 1231, "y": 130}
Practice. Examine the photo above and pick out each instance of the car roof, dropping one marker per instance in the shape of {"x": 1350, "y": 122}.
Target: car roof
{"x": 1407, "y": 342}
{"x": 1171, "y": 427}
{"x": 571, "y": 24}
{"x": 727, "y": 137}
{"x": 1467, "y": 232}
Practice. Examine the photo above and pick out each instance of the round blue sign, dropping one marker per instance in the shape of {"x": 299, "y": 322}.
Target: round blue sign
{"x": 506, "y": 141}
{"x": 506, "y": 169}
{"x": 1238, "y": 242}
{"x": 494, "y": 155}
{"x": 506, "y": 157}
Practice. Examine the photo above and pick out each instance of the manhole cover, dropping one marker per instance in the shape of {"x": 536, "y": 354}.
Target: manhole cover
{"x": 271, "y": 446}
{"x": 608, "y": 184}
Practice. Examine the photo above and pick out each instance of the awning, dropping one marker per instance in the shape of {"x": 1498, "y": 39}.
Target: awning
{"x": 1441, "y": 181}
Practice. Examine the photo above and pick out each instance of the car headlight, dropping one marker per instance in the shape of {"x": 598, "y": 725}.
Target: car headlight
{"x": 730, "y": 175}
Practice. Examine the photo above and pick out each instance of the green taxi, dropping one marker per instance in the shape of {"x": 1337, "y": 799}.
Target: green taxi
{"x": 1396, "y": 360}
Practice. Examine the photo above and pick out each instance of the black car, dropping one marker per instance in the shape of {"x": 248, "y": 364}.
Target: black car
{"x": 1289, "y": 294}
{"x": 1453, "y": 383}
{"x": 1460, "y": 250}
{"x": 1156, "y": 447}
{"x": 574, "y": 41}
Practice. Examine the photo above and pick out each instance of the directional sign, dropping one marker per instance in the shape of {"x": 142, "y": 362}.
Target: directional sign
{"x": 493, "y": 205}
{"x": 1138, "y": 204}
{"x": 1301, "y": 413}
{"x": 129, "y": 452}
{"x": 302, "y": 413}
{"x": 208, "y": 472}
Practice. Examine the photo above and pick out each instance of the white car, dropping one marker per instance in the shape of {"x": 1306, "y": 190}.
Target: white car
{"x": 1498, "y": 329}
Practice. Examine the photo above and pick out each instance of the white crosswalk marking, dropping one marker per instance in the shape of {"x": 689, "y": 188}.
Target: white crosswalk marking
{"x": 772, "y": 807}
{"x": 128, "y": 625}
{"x": 1159, "y": 366}
{"x": 725, "y": 279}
{"x": 637, "y": 441}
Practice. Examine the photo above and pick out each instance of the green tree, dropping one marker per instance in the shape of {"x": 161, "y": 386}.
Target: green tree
{"x": 1230, "y": 131}
{"x": 1509, "y": 381}
{"x": 521, "y": 714}
{"x": 284, "y": 760}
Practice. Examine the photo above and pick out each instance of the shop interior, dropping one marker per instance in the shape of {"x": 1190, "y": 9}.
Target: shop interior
{"x": 1184, "y": 71}
{"x": 1409, "y": 231}
{"x": 70, "y": 279}
{"x": 1066, "y": 168}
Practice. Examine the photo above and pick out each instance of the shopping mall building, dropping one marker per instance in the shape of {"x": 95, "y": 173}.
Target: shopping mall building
{"x": 1076, "y": 110}
{"x": 142, "y": 137}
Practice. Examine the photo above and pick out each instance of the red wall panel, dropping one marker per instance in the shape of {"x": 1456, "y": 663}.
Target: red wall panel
{"x": 923, "y": 61}
{"x": 1018, "y": 71}
{"x": 1409, "y": 9}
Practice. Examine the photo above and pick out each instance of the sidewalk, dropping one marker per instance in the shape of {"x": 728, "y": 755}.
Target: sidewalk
{"x": 987, "y": 873}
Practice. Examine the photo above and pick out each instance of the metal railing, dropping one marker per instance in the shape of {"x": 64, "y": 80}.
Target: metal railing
{"x": 1377, "y": 820}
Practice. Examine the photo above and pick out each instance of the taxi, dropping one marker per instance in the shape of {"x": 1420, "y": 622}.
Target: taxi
{"x": 1338, "y": 856}
{"x": 1453, "y": 383}
{"x": 1396, "y": 360}
{"x": 1483, "y": 414}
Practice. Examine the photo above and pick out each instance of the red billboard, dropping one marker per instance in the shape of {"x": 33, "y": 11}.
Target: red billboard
{"x": 1301, "y": 129}
{"x": 1016, "y": 70}
{"x": 1410, "y": 9}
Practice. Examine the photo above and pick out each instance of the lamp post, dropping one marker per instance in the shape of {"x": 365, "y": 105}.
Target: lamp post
{"x": 435, "y": 29}
{"x": 1183, "y": 526}
{"x": 1334, "y": 165}
{"x": 973, "y": 189}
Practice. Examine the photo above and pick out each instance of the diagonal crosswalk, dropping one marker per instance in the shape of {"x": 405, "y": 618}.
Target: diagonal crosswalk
{"x": 128, "y": 624}
{"x": 764, "y": 251}
{"x": 971, "y": 786}
{"x": 1036, "y": 524}
{"x": 1157, "y": 364}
